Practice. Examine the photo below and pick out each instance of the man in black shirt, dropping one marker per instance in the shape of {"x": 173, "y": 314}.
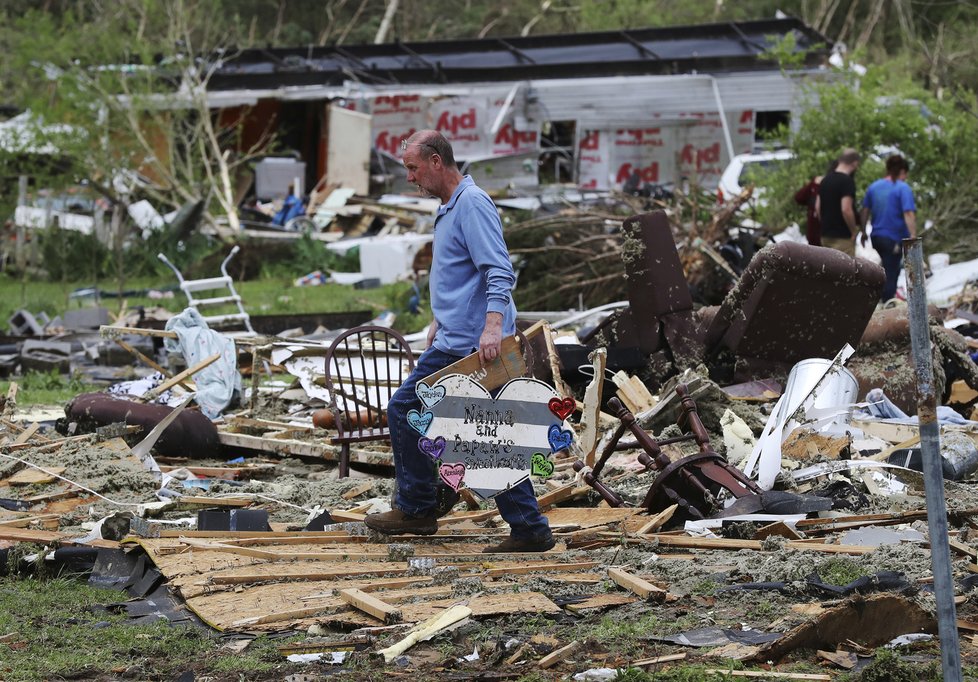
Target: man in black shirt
{"x": 836, "y": 205}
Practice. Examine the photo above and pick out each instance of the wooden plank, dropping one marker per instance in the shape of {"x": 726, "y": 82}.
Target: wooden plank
{"x": 357, "y": 491}
{"x": 643, "y": 588}
{"x": 176, "y": 379}
{"x": 561, "y": 494}
{"x": 303, "y": 448}
{"x": 553, "y": 658}
{"x": 658, "y": 521}
{"x": 111, "y": 332}
{"x": 462, "y": 517}
{"x": 371, "y": 605}
{"x": 600, "y": 601}
{"x": 765, "y": 674}
{"x": 352, "y": 571}
{"x": 31, "y": 476}
{"x": 724, "y": 543}
{"x": 24, "y": 521}
{"x": 591, "y": 411}
{"x": 509, "y": 365}
{"x": 195, "y": 501}
{"x": 541, "y": 567}
{"x": 27, "y": 433}
{"x": 669, "y": 658}
{"x": 189, "y": 385}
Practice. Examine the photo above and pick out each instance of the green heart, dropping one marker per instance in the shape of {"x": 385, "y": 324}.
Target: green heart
{"x": 540, "y": 465}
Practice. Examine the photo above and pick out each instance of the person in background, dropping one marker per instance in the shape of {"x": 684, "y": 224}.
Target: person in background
{"x": 836, "y": 204}
{"x": 471, "y": 280}
{"x": 807, "y": 196}
{"x": 889, "y": 202}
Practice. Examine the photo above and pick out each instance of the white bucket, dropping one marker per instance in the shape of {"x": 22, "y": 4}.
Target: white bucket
{"x": 837, "y": 392}
{"x": 936, "y": 261}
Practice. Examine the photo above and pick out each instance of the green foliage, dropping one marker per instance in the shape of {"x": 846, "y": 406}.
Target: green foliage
{"x": 840, "y": 570}
{"x": 66, "y": 634}
{"x": 881, "y": 112}
{"x": 46, "y": 388}
{"x": 888, "y": 667}
{"x": 68, "y": 253}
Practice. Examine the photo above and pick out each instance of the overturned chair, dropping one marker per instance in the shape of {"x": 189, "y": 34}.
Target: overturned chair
{"x": 693, "y": 483}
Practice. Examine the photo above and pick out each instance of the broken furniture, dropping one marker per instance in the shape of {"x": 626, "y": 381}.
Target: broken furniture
{"x": 190, "y": 287}
{"x": 659, "y": 321}
{"x": 885, "y": 361}
{"x": 793, "y": 302}
{"x": 364, "y": 366}
{"x": 190, "y": 435}
{"x": 692, "y": 482}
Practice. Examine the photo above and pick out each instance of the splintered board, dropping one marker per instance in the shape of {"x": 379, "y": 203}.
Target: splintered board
{"x": 229, "y": 590}
{"x": 589, "y": 517}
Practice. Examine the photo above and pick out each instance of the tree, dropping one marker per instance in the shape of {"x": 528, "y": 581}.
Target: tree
{"x": 878, "y": 114}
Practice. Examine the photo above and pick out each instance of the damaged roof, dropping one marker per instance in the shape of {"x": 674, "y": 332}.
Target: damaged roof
{"x": 732, "y": 46}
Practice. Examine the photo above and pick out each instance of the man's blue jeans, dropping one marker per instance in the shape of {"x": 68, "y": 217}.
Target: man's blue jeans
{"x": 416, "y": 474}
{"x": 890, "y": 257}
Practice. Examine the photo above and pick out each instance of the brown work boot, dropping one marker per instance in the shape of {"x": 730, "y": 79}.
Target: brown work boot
{"x": 396, "y": 522}
{"x": 517, "y": 545}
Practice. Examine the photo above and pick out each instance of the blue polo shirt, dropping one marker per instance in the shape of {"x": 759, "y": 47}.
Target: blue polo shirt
{"x": 471, "y": 273}
{"x": 887, "y": 201}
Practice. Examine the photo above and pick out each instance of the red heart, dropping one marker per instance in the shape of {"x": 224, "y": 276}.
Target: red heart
{"x": 562, "y": 408}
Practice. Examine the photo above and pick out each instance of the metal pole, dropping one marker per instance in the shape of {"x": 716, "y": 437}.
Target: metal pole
{"x": 930, "y": 448}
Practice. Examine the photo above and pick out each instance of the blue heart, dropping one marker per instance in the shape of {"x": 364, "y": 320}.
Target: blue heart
{"x": 559, "y": 440}
{"x": 420, "y": 422}
{"x": 429, "y": 395}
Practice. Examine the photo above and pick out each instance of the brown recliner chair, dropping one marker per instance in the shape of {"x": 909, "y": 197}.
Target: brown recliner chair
{"x": 793, "y": 302}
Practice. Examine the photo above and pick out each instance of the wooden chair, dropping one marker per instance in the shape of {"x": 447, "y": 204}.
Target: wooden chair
{"x": 364, "y": 366}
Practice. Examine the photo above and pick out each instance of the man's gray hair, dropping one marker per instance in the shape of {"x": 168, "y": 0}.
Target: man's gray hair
{"x": 432, "y": 142}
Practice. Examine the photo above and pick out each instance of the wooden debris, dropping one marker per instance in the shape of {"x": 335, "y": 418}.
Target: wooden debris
{"x": 591, "y": 410}
{"x": 600, "y": 601}
{"x": 33, "y": 476}
{"x": 357, "y": 491}
{"x": 176, "y": 379}
{"x": 658, "y": 521}
{"x": 370, "y": 604}
{"x": 633, "y": 583}
{"x": 669, "y": 658}
{"x": 426, "y": 630}
{"x": 553, "y": 658}
{"x": 778, "y": 528}
{"x": 766, "y": 674}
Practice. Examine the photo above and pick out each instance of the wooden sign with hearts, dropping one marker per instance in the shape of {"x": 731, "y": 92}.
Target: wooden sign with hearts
{"x": 491, "y": 443}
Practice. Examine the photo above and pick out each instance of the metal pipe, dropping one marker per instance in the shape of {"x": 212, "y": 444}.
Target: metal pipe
{"x": 930, "y": 447}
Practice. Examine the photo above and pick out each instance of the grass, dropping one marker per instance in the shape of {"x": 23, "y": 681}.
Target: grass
{"x": 62, "y": 631}
{"x": 265, "y": 296}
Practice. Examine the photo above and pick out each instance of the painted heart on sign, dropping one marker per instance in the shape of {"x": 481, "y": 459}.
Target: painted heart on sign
{"x": 559, "y": 439}
{"x": 540, "y": 465}
{"x": 432, "y": 448}
{"x": 429, "y": 395}
{"x": 452, "y": 474}
{"x": 420, "y": 422}
{"x": 562, "y": 408}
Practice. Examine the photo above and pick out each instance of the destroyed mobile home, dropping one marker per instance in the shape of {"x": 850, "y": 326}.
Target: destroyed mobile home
{"x": 694, "y": 464}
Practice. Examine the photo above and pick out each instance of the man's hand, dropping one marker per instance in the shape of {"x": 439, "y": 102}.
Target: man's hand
{"x": 491, "y": 339}
{"x": 432, "y": 330}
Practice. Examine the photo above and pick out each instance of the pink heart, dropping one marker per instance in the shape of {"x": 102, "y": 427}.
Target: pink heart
{"x": 452, "y": 474}
{"x": 432, "y": 448}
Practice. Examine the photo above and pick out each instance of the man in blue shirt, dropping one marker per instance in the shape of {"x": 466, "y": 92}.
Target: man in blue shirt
{"x": 890, "y": 202}
{"x": 471, "y": 282}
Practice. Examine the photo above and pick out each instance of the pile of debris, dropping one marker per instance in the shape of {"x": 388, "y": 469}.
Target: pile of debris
{"x": 745, "y": 483}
